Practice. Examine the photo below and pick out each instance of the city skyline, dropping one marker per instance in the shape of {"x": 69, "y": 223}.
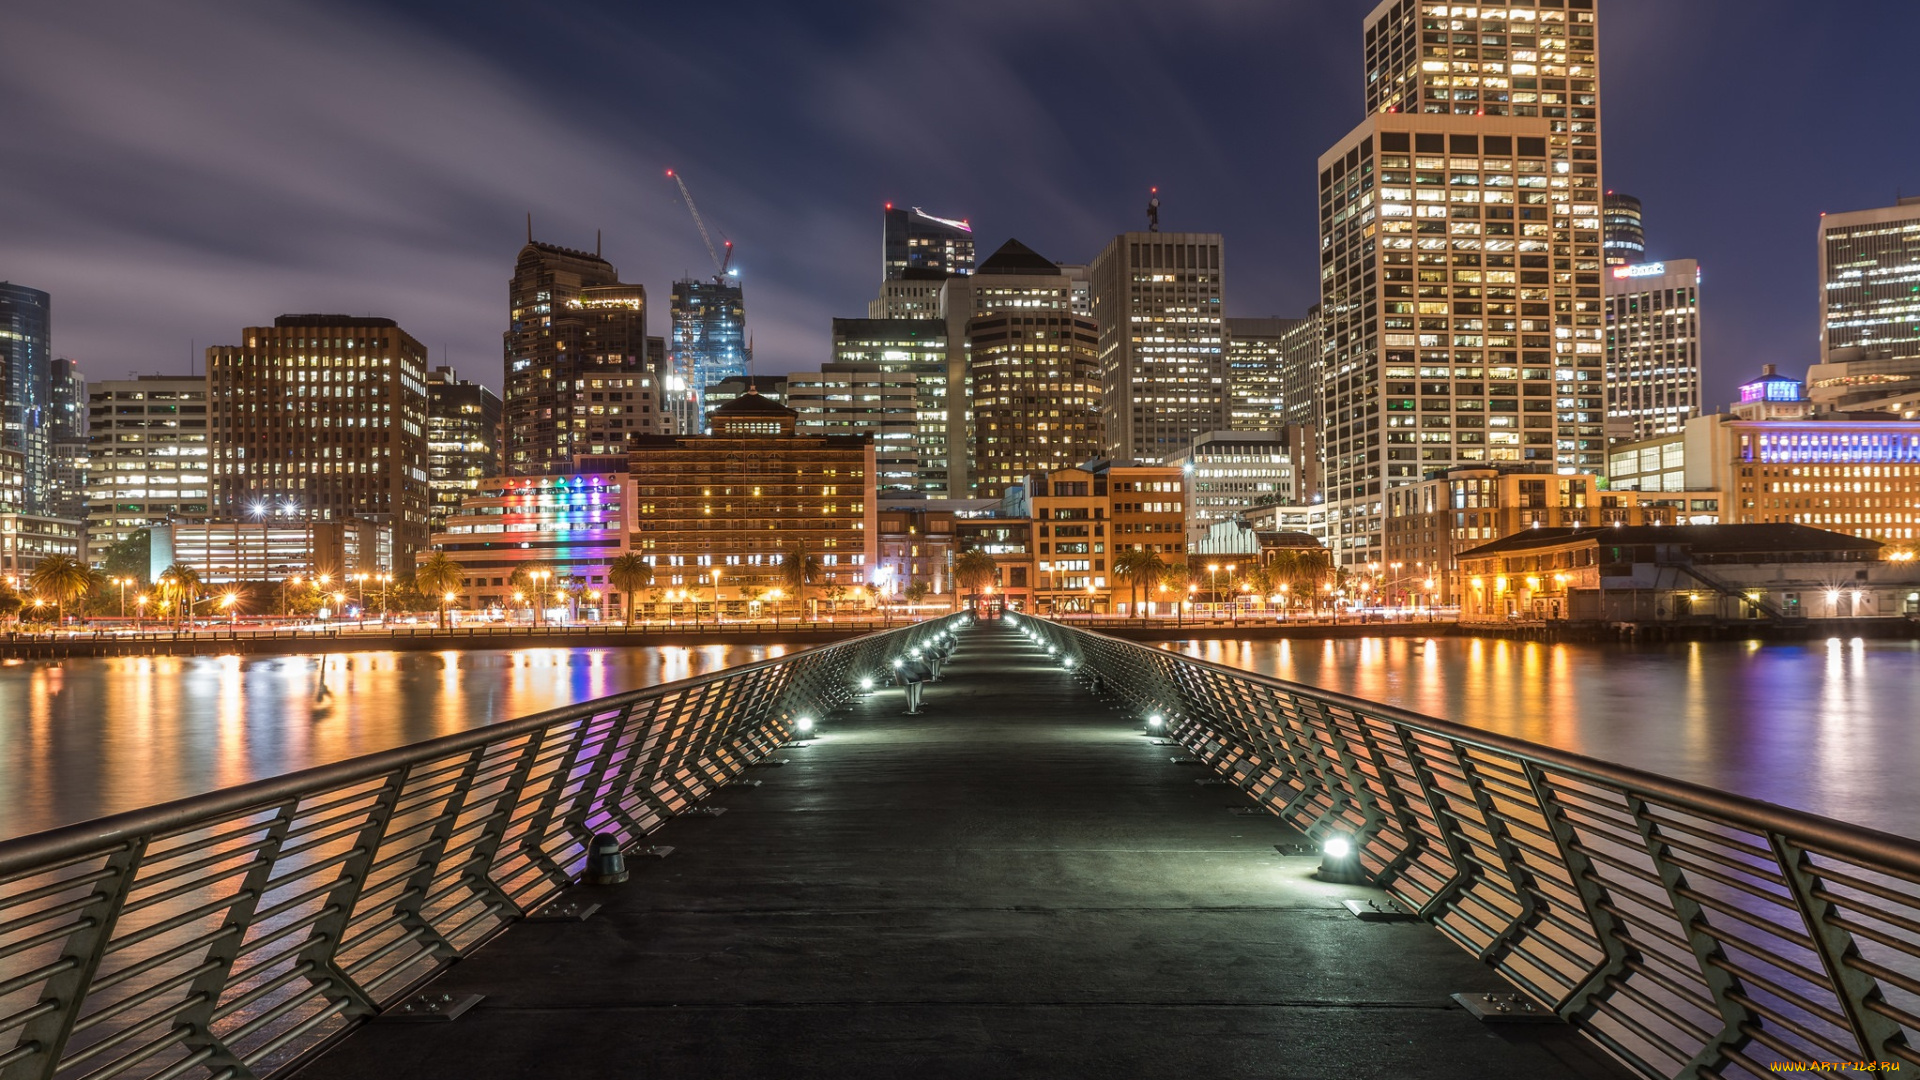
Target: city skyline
{"x": 147, "y": 261}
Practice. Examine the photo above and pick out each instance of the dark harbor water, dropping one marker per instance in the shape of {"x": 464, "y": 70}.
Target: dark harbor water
{"x": 82, "y": 738}
{"x": 1829, "y": 726}
{"x": 1832, "y": 727}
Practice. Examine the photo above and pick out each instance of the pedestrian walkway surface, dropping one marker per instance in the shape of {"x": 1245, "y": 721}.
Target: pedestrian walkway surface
{"x": 1016, "y": 883}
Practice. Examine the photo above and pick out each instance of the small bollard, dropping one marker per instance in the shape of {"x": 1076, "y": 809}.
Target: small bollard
{"x": 913, "y": 697}
{"x": 606, "y": 864}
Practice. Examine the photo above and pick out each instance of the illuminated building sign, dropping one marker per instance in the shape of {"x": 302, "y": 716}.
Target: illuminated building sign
{"x": 1643, "y": 270}
{"x": 1818, "y": 447}
{"x": 1771, "y": 390}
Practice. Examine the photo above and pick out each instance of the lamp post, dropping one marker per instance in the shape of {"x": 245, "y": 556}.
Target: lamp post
{"x": 123, "y": 583}
{"x": 716, "y": 596}
{"x": 539, "y": 578}
{"x": 139, "y": 611}
{"x": 1233, "y": 610}
{"x": 384, "y": 580}
{"x": 1213, "y": 582}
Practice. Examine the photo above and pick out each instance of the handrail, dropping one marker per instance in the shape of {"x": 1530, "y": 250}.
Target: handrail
{"x": 224, "y": 934}
{"x": 1690, "y": 932}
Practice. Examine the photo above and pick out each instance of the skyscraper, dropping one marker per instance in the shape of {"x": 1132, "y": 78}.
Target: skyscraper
{"x": 66, "y": 421}
{"x": 150, "y": 446}
{"x": 1870, "y": 281}
{"x": 1163, "y": 373}
{"x": 1653, "y": 349}
{"x": 463, "y": 440}
{"x": 1256, "y": 373}
{"x": 709, "y": 334}
{"x": 878, "y": 401}
{"x": 1032, "y": 368}
{"x": 1461, "y": 255}
{"x": 326, "y": 414}
{"x": 26, "y": 388}
{"x": 1300, "y": 366}
{"x": 913, "y": 239}
{"x": 919, "y": 347}
{"x": 577, "y": 339}
{"x": 915, "y": 294}
{"x": 1626, "y": 233}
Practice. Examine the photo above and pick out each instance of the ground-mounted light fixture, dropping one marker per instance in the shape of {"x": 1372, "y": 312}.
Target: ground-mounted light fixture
{"x": 1340, "y": 861}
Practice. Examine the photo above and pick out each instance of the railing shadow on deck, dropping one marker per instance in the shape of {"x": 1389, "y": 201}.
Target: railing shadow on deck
{"x": 225, "y": 935}
{"x": 1688, "y": 931}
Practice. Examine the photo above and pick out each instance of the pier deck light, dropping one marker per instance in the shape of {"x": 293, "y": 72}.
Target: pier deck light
{"x": 804, "y": 725}
{"x": 1339, "y": 862}
{"x": 866, "y": 682}
{"x": 1156, "y": 721}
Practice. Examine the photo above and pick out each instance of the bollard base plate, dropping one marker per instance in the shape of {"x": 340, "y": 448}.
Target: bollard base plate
{"x": 768, "y": 763}
{"x": 1186, "y": 761}
{"x": 703, "y": 811}
{"x": 659, "y": 851}
{"x": 1505, "y": 1009}
{"x": 1379, "y": 911}
{"x": 745, "y": 783}
{"x": 1214, "y": 781}
{"x": 564, "y": 911}
{"x": 429, "y": 1008}
{"x": 1291, "y": 850}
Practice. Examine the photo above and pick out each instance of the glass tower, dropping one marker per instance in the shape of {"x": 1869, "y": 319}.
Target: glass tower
{"x": 26, "y": 389}
{"x": 1626, "y": 239}
{"x": 1870, "y": 282}
{"x": 709, "y": 335}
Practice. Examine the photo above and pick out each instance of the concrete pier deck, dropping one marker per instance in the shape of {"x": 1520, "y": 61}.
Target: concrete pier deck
{"x": 1017, "y": 883}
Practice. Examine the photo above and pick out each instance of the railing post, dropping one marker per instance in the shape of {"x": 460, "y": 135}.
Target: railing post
{"x": 1859, "y": 993}
{"x": 198, "y": 1015}
{"x": 1518, "y": 876}
{"x": 1708, "y": 954}
{"x": 494, "y": 832}
{"x": 323, "y": 941}
{"x": 1579, "y": 1002}
{"x": 66, "y": 992}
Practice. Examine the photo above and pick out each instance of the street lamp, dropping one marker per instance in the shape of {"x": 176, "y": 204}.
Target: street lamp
{"x": 1213, "y": 582}
{"x": 539, "y": 578}
{"x": 139, "y": 611}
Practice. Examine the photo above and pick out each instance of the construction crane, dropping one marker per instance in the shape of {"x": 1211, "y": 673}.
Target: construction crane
{"x": 722, "y": 266}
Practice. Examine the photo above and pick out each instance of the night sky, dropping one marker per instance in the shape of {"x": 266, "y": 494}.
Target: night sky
{"x": 173, "y": 172}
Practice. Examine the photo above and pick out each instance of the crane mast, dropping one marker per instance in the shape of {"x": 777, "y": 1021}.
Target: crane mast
{"x": 720, "y": 265}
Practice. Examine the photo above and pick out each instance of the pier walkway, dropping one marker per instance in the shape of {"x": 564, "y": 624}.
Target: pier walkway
{"x": 1016, "y": 883}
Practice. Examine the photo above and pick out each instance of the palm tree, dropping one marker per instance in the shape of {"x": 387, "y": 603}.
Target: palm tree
{"x": 630, "y": 573}
{"x": 180, "y": 583}
{"x": 1176, "y": 578}
{"x": 975, "y": 571}
{"x": 798, "y": 569}
{"x": 1304, "y": 569}
{"x": 64, "y": 578}
{"x": 1126, "y": 567}
{"x": 440, "y": 577}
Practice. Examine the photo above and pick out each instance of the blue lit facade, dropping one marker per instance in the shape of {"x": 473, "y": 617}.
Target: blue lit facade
{"x": 709, "y": 334}
{"x": 26, "y": 389}
{"x": 571, "y": 525}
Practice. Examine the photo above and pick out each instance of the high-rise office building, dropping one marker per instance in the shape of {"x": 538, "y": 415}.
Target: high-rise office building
{"x": 709, "y": 334}
{"x": 879, "y": 401}
{"x": 1256, "y": 373}
{"x": 149, "y": 449}
{"x": 1158, "y": 299}
{"x": 915, "y": 294}
{"x": 1032, "y": 368}
{"x": 913, "y": 239}
{"x": 66, "y": 421}
{"x": 1461, "y": 256}
{"x": 919, "y": 347}
{"x": 771, "y": 387}
{"x": 1653, "y": 349}
{"x": 1625, "y": 240}
{"x": 577, "y": 337}
{"x": 326, "y": 414}
{"x": 1229, "y": 472}
{"x": 1301, "y": 352}
{"x": 1870, "y": 281}
{"x": 26, "y": 389}
{"x": 464, "y": 425}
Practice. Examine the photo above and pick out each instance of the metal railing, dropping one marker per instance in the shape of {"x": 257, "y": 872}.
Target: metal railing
{"x": 223, "y": 935}
{"x": 1690, "y": 932}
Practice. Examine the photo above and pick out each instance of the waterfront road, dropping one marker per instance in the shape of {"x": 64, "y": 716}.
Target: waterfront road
{"x": 1017, "y": 883}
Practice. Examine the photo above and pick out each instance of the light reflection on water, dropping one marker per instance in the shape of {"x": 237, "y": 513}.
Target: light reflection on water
{"x": 1827, "y": 726}
{"x": 82, "y": 738}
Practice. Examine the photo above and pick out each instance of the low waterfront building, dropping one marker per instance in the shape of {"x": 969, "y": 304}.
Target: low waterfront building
{"x": 1008, "y": 539}
{"x": 1780, "y": 460}
{"x": 727, "y": 507}
{"x": 1309, "y": 518}
{"x": 1430, "y": 523}
{"x": 270, "y": 551}
{"x": 1686, "y": 573}
{"x": 916, "y": 546}
{"x": 572, "y": 526}
{"x": 26, "y": 539}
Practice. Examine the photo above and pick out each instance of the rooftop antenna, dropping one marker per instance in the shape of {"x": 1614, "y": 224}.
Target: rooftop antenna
{"x": 529, "y": 226}
{"x": 596, "y": 243}
{"x": 1153, "y": 210}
